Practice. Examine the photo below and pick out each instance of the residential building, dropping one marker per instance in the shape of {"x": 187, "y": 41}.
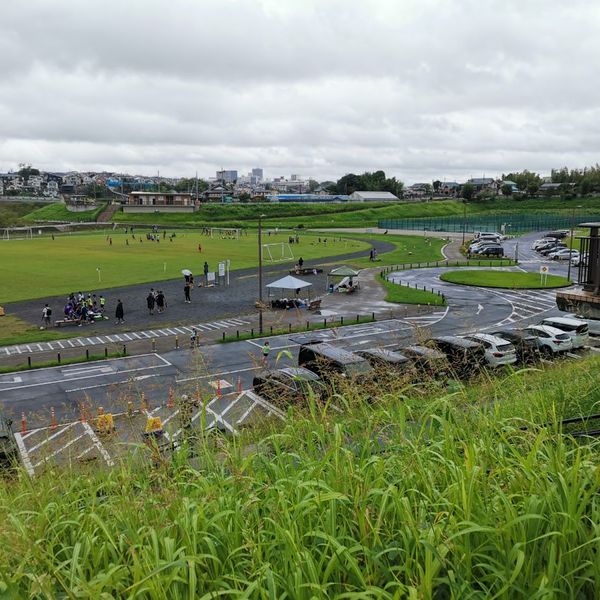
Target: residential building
{"x": 483, "y": 184}
{"x": 514, "y": 188}
{"x": 160, "y": 199}
{"x": 366, "y": 196}
{"x": 449, "y": 188}
{"x": 52, "y": 189}
{"x": 418, "y": 190}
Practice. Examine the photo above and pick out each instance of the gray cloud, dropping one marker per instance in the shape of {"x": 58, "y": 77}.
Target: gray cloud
{"x": 422, "y": 89}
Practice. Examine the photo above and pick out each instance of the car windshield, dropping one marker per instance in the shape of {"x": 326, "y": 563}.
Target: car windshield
{"x": 505, "y": 348}
{"x": 562, "y": 336}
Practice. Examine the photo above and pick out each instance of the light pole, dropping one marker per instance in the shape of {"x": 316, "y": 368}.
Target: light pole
{"x": 260, "y": 285}
{"x": 571, "y": 242}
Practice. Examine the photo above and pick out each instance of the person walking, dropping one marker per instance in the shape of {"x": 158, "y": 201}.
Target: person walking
{"x": 266, "y": 349}
{"x": 46, "y": 316}
{"x": 194, "y": 339}
{"x": 186, "y": 290}
{"x": 102, "y": 303}
{"x": 150, "y": 301}
{"x": 119, "y": 312}
{"x": 161, "y": 302}
{"x": 300, "y": 262}
{"x": 206, "y": 272}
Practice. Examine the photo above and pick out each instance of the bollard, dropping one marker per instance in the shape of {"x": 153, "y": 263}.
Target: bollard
{"x": 105, "y": 352}
{"x": 176, "y": 342}
{"x": 223, "y": 336}
{"x": 129, "y": 408}
{"x": 324, "y": 323}
{"x": 372, "y": 316}
{"x": 124, "y": 350}
{"x": 153, "y": 344}
{"x": 53, "y": 423}
{"x": 23, "y": 423}
{"x": 341, "y": 320}
{"x": 357, "y": 318}
{"x": 307, "y": 325}
{"x": 289, "y": 328}
{"x": 29, "y": 361}
{"x": 237, "y": 334}
{"x": 58, "y": 357}
{"x": 252, "y": 332}
{"x": 87, "y": 354}
{"x": 271, "y": 329}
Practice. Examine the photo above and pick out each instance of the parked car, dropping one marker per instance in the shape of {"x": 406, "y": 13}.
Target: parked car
{"x": 577, "y": 330}
{"x": 291, "y": 384}
{"x": 465, "y": 357}
{"x": 486, "y": 248}
{"x": 563, "y": 254}
{"x": 488, "y": 235}
{"x": 550, "y": 245}
{"x": 498, "y": 351}
{"x": 579, "y": 259}
{"x": 426, "y": 360}
{"x": 8, "y": 445}
{"x": 563, "y": 233}
{"x": 525, "y": 344}
{"x": 550, "y": 340}
{"x": 383, "y": 359}
{"x": 541, "y": 242}
{"x": 547, "y": 251}
{"x": 326, "y": 360}
{"x": 593, "y": 324}
{"x": 492, "y": 251}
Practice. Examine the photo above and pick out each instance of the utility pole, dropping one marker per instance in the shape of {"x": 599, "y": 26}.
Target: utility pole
{"x": 260, "y": 278}
{"x": 571, "y": 242}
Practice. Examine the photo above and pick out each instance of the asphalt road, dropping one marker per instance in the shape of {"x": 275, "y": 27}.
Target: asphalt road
{"x": 112, "y": 383}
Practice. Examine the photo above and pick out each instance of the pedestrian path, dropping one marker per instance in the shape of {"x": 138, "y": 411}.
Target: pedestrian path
{"x": 121, "y": 338}
{"x": 526, "y": 303}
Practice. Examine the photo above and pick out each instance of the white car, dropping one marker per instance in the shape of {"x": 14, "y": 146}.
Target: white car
{"x": 577, "y": 330}
{"x": 593, "y": 324}
{"x": 541, "y": 242}
{"x": 579, "y": 259}
{"x": 550, "y": 340}
{"x": 497, "y": 351}
{"x": 563, "y": 254}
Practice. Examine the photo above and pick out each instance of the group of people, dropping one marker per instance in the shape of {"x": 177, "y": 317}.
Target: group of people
{"x": 286, "y": 303}
{"x": 156, "y": 299}
{"x": 79, "y": 307}
{"x": 373, "y": 254}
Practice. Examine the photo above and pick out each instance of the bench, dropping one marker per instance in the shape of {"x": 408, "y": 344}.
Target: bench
{"x": 305, "y": 271}
{"x": 62, "y": 322}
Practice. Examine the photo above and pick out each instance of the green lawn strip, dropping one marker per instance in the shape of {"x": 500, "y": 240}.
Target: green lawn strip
{"x": 389, "y": 495}
{"x": 44, "y": 267}
{"x": 402, "y": 294}
{"x": 59, "y": 212}
{"x": 328, "y": 323}
{"x": 65, "y": 361}
{"x": 504, "y": 279}
{"x": 408, "y": 248}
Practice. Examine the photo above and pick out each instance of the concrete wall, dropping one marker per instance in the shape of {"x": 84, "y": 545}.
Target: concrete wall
{"x": 158, "y": 209}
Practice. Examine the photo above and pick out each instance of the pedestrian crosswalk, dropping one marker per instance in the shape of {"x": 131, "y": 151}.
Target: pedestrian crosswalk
{"x": 426, "y": 320}
{"x": 527, "y": 303}
{"x": 122, "y": 338}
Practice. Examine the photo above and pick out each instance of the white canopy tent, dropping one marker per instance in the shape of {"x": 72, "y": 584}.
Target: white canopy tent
{"x": 289, "y": 283}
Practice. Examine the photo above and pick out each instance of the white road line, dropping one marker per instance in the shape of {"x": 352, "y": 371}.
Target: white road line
{"x": 79, "y": 456}
{"x": 70, "y": 342}
{"x": 60, "y": 344}
{"x": 222, "y": 421}
{"x": 266, "y": 405}
{"x": 178, "y": 330}
{"x": 47, "y": 458}
{"x": 80, "y": 342}
{"x": 98, "y": 445}
{"x": 171, "y": 332}
{"x": 162, "y": 332}
{"x": 24, "y": 454}
{"x": 126, "y": 335}
{"x": 136, "y": 336}
{"x": 46, "y": 440}
{"x": 28, "y": 348}
{"x": 246, "y": 413}
{"x": 173, "y": 414}
{"x": 215, "y": 374}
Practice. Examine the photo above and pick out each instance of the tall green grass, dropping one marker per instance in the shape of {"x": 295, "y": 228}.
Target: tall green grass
{"x": 418, "y": 494}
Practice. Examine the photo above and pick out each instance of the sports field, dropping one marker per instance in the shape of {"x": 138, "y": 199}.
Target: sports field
{"x": 44, "y": 267}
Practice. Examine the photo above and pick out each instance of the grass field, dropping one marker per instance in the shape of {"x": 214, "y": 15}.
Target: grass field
{"x": 402, "y": 294}
{"x": 409, "y": 248}
{"x": 415, "y": 494}
{"x": 16, "y": 331}
{"x": 44, "y": 267}
{"x": 504, "y": 279}
{"x": 59, "y": 212}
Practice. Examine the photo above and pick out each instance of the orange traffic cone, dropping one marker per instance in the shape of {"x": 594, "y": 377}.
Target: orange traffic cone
{"x": 170, "y": 403}
{"x": 197, "y": 393}
{"x": 143, "y": 403}
{"x": 239, "y": 384}
{"x": 53, "y": 423}
{"x": 23, "y": 423}
{"x": 218, "y": 388}
{"x": 82, "y": 416}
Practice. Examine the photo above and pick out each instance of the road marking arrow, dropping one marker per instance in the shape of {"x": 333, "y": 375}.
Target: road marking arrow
{"x": 479, "y": 308}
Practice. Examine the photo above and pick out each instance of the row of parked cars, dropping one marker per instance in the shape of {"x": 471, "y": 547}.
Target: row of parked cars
{"x": 551, "y": 247}
{"x": 486, "y": 244}
{"x": 440, "y": 357}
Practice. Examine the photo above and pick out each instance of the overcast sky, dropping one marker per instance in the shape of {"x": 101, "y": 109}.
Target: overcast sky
{"x": 423, "y": 89}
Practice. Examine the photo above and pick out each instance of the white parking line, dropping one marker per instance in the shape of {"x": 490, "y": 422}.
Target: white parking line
{"x": 98, "y": 445}
{"x": 54, "y": 435}
{"x": 24, "y": 454}
{"x": 59, "y": 450}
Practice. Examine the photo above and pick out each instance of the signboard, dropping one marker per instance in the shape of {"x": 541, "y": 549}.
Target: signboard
{"x": 210, "y": 277}
{"x": 221, "y": 269}
{"x": 544, "y": 269}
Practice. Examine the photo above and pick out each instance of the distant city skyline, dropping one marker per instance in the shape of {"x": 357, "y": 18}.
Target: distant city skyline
{"x": 422, "y": 89}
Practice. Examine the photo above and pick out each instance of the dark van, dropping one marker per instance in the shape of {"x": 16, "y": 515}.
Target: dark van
{"x": 325, "y": 360}
{"x": 388, "y": 360}
{"x": 465, "y": 357}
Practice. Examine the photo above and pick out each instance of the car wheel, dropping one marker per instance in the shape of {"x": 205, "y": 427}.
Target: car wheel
{"x": 546, "y": 352}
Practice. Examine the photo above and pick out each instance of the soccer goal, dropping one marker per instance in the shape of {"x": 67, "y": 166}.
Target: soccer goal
{"x": 17, "y": 233}
{"x": 277, "y": 252}
{"x": 224, "y": 233}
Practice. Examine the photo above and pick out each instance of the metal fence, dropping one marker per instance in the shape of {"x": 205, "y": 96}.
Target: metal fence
{"x": 518, "y": 223}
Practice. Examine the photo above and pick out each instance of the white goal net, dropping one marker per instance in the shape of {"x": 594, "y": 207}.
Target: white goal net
{"x": 17, "y": 233}
{"x": 224, "y": 234}
{"x": 277, "y": 252}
